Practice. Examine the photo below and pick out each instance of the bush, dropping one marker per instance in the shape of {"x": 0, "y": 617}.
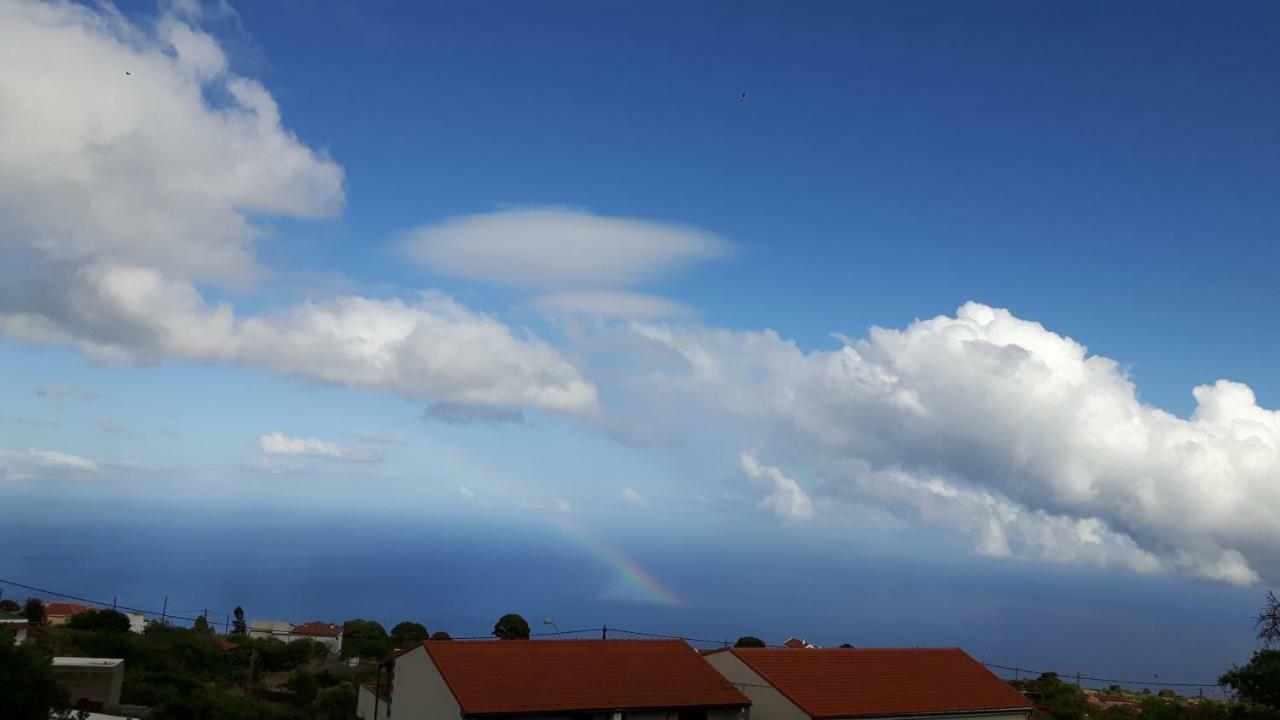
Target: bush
{"x": 101, "y": 620}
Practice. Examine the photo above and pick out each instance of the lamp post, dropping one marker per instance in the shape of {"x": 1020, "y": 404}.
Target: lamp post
{"x": 552, "y": 623}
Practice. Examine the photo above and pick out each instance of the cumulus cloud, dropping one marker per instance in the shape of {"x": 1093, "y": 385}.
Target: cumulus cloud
{"x": 43, "y": 464}
{"x": 786, "y": 498}
{"x": 1004, "y": 430}
{"x": 130, "y": 191}
{"x": 280, "y": 444}
{"x": 553, "y": 248}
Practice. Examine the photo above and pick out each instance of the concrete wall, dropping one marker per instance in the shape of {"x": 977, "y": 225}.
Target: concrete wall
{"x": 97, "y": 685}
{"x": 419, "y": 692}
{"x": 333, "y": 643}
{"x": 766, "y": 702}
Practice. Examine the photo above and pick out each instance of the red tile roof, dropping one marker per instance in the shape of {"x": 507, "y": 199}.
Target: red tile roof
{"x": 866, "y": 682}
{"x": 66, "y": 610}
{"x": 317, "y": 629}
{"x": 545, "y": 676}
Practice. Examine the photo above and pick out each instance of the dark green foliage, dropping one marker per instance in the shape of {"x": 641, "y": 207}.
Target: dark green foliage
{"x": 1063, "y": 700}
{"x": 1268, "y": 621}
{"x": 201, "y": 625}
{"x": 441, "y": 635}
{"x": 28, "y": 690}
{"x": 33, "y": 610}
{"x": 408, "y": 633}
{"x": 747, "y": 641}
{"x": 1257, "y": 684}
{"x": 846, "y": 646}
{"x": 10, "y": 606}
{"x": 335, "y": 703}
{"x": 303, "y": 687}
{"x": 237, "y": 625}
{"x": 511, "y": 627}
{"x": 366, "y": 639}
{"x": 102, "y": 620}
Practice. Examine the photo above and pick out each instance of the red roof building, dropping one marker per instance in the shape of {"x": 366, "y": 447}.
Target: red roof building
{"x": 317, "y": 629}
{"x": 60, "y": 613}
{"x": 831, "y": 683}
{"x": 560, "y": 678}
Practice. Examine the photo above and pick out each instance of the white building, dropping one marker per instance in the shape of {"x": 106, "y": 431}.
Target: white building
{"x": 95, "y": 683}
{"x": 20, "y": 627}
{"x": 868, "y": 683}
{"x": 552, "y": 680}
{"x": 321, "y": 632}
{"x": 278, "y": 629}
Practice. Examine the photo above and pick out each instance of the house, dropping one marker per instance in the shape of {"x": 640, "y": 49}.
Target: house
{"x": 321, "y": 632}
{"x": 94, "y": 683}
{"x": 278, "y": 629}
{"x": 60, "y": 613}
{"x": 372, "y": 702}
{"x": 555, "y": 680}
{"x": 863, "y": 683}
{"x": 796, "y": 643}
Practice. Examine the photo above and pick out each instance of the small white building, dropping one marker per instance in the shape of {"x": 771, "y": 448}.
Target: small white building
{"x": 807, "y": 683}
{"x": 20, "y": 627}
{"x": 551, "y": 680}
{"x": 321, "y": 632}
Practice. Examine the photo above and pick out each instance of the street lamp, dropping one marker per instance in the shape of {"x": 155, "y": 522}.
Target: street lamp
{"x": 552, "y": 623}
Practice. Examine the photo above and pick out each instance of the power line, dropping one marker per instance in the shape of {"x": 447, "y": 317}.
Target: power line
{"x": 1082, "y": 676}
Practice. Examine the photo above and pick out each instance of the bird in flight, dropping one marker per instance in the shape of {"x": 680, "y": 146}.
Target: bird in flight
{"x": 126, "y": 72}
{"x": 743, "y": 98}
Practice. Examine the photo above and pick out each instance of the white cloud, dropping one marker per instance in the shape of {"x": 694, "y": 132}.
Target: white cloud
{"x": 553, "y": 248}
{"x": 614, "y": 304}
{"x": 380, "y": 439}
{"x": 281, "y": 444}
{"x": 562, "y": 505}
{"x": 634, "y": 498}
{"x": 130, "y": 191}
{"x": 1047, "y": 449}
{"x": 786, "y": 498}
{"x": 466, "y": 492}
{"x": 43, "y": 464}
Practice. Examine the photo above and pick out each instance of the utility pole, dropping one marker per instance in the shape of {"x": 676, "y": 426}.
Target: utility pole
{"x": 164, "y": 610}
{"x": 1077, "y": 679}
{"x": 604, "y": 633}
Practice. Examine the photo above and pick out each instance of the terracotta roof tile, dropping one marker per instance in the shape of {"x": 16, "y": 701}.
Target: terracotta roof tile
{"x": 64, "y": 609}
{"x": 866, "y": 682}
{"x": 542, "y": 676}
{"x": 317, "y": 629}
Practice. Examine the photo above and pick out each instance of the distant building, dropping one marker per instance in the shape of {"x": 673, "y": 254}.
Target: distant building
{"x": 94, "y": 683}
{"x": 796, "y": 643}
{"x": 553, "y": 680}
{"x": 278, "y": 629}
{"x": 867, "y": 683}
{"x": 60, "y": 613}
{"x": 321, "y": 632}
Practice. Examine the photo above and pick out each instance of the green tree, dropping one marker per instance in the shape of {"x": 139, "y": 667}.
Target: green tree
{"x": 237, "y": 625}
{"x": 29, "y": 690}
{"x": 365, "y": 638}
{"x": 749, "y": 641}
{"x": 408, "y": 633}
{"x": 100, "y": 621}
{"x": 441, "y": 635}
{"x": 201, "y": 625}
{"x": 1267, "y": 622}
{"x": 1257, "y": 684}
{"x": 8, "y": 605}
{"x": 846, "y": 646}
{"x": 511, "y": 627}
{"x": 1063, "y": 700}
{"x": 335, "y": 703}
{"x": 303, "y": 687}
{"x": 33, "y": 610}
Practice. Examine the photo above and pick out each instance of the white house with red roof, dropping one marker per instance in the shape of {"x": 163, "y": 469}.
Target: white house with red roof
{"x": 551, "y": 680}
{"x": 321, "y": 632}
{"x": 867, "y": 683}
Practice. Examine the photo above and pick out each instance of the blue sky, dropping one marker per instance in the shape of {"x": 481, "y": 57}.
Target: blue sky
{"x": 650, "y": 300}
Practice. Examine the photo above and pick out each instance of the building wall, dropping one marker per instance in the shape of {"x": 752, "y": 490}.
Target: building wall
{"x": 766, "y": 702}
{"x": 365, "y": 702}
{"x": 419, "y": 691}
{"x": 97, "y": 685}
{"x": 333, "y": 643}
{"x": 277, "y": 629}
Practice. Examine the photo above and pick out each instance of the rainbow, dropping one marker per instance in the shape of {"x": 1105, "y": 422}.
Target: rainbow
{"x": 632, "y": 575}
